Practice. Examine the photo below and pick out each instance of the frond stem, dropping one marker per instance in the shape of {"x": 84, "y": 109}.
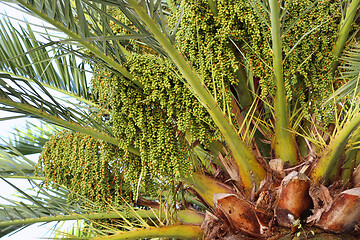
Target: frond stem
{"x": 284, "y": 142}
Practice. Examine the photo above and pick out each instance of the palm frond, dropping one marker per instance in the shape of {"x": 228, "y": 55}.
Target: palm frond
{"x": 37, "y": 202}
{"x": 93, "y": 22}
{"x": 44, "y": 204}
{"x": 15, "y": 167}
{"x": 30, "y": 139}
{"x": 41, "y": 203}
{"x": 14, "y": 164}
{"x": 23, "y": 55}
{"x": 350, "y": 73}
{"x": 348, "y": 18}
{"x": 20, "y": 96}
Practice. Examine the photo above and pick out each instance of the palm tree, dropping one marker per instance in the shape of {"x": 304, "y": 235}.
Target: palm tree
{"x": 215, "y": 119}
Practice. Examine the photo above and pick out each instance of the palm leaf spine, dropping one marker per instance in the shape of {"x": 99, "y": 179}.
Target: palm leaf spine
{"x": 154, "y": 214}
{"x": 250, "y": 169}
{"x": 284, "y": 144}
{"x": 12, "y": 175}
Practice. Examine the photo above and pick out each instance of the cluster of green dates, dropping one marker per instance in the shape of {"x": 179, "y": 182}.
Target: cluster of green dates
{"x": 163, "y": 117}
{"x": 88, "y": 167}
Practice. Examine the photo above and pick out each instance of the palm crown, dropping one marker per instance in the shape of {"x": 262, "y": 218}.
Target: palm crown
{"x": 223, "y": 113}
